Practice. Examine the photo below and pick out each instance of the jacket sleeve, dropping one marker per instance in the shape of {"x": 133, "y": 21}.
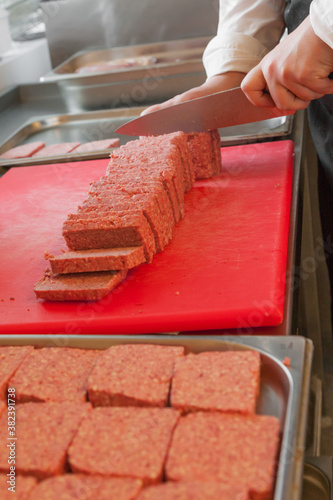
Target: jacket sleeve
{"x": 321, "y": 16}
{"x": 247, "y": 30}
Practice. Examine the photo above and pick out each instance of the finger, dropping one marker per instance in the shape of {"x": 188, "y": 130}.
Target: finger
{"x": 156, "y": 107}
{"x": 325, "y": 86}
{"x": 254, "y": 87}
{"x": 302, "y": 91}
{"x": 186, "y": 96}
{"x": 285, "y": 100}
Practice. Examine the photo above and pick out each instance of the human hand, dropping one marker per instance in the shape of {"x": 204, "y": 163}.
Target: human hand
{"x": 294, "y": 73}
{"x": 214, "y": 84}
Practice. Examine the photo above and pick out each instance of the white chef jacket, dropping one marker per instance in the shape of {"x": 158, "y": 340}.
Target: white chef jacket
{"x": 249, "y": 29}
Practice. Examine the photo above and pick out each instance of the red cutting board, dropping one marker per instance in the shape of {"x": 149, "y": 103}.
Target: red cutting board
{"x": 224, "y": 268}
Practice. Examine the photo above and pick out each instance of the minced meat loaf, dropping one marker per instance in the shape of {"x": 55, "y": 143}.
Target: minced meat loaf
{"x": 194, "y": 491}
{"x": 88, "y": 147}
{"x": 124, "y": 442}
{"x": 44, "y": 432}
{"x": 20, "y": 489}
{"x": 205, "y": 149}
{"x": 142, "y": 182}
{"x": 223, "y": 447}
{"x": 132, "y": 229}
{"x": 180, "y": 140}
{"x": 10, "y": 359}
{"x": 167, "y": 142}
{"x": 157, "y": 163}
{"x": 108, "y": 259}
{"x": 81, "y": 487}
{"x": 57, "y": 149}
{"x": 78, "y": 286}
{"x": 54, "y": 374}
{"x": 227, "y": 381}
{"x": 216, "y": 150}
{"x": 111, "y": 194}
{"x": 23, "y": 151}
{"x": 133, "y": 375}
{"x": 117, "y": 184}
{"x": 108, "y": 205}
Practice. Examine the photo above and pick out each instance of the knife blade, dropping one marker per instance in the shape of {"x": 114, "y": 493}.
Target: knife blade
{"x": 222, "y": 109}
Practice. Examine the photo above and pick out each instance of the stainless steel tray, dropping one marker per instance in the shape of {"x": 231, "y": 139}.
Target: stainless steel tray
{"x": 174, "y": 52}
{"x": 317, "y": 478}
{"x": 178, "y": 67}
{"x": 97, "y": 125}
{"x": 284, "y": 391}
{"x": 83, "y": 127}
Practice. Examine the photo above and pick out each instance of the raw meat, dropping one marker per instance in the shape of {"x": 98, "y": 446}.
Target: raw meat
{"x": 24, "y": 151}
{"x": 125, "y": 229}
{"x": 54, "y": 374}
{"x": 10, "y": 359}
{"x": 81, "y": 487}
{"x": 97, "y": 145}
{"x": 133, "y": 375}
{"x": 78, "y": 286}
{"x": 118, "y": 442}
{"x": 57, "y": 149}
{"x": 111, "y": 259}
{"x": 194, "y": 491}
{"x": 23, "y": 486}
{"x": 205, "y": 150}
{"x": 44, "y": 432}
{"x": 226, "y": 381}
{"x": 220, "y": 447}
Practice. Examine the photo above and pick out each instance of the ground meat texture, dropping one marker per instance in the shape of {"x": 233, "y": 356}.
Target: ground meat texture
{"x": 88, "y": 147}
{"x": 151, "y": 210}
{"x": 194, "y": 491}
{"x": 124, "y": 442}
{"x": 226, "y": 448}
{"x": 44, "y": 432}
{"x": 133, "y": 187}
{"x": 126, "y": 175}
{"x": 23, "y": 151}
{"x": 115, "y": 184}
{"x": 159, "y": 164}
{"x": 200, "y": 145}
{"x": 3, "y": 406}
{"x": 170, "y": 147}
{"x": 216, "y": 150}
{"x": 132, "y": 229}
{"x": 10, "y": 359}
{"x": 180, "y": 140}
{"x": 133, "y": 375}
{"x": 78, "y": 286}
{"x": 226, "y": 381}
{"x": 137, "y": 183}
{"x": 97, "y": 260}
{"x": 57, "y": 149}
{"x": 116, "y": 198}
{"x": 81, "y": 487}
{"x": 54, "y": 374}
{"x": 23, "y": 486}
{"x": 109, "y": 205}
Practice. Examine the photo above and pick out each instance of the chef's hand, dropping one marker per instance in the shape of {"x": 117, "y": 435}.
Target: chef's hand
{"x": 214, "y": 84}
{"x": 294, "y": 73}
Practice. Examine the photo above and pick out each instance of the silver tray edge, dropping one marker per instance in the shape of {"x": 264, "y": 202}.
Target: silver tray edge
{"x": 298, "y": 349}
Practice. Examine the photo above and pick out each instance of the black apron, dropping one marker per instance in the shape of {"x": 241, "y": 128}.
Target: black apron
{"x": 320, "y": 111}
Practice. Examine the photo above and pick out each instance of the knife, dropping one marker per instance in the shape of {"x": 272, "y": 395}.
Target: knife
{"x": 222, "y": 109}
